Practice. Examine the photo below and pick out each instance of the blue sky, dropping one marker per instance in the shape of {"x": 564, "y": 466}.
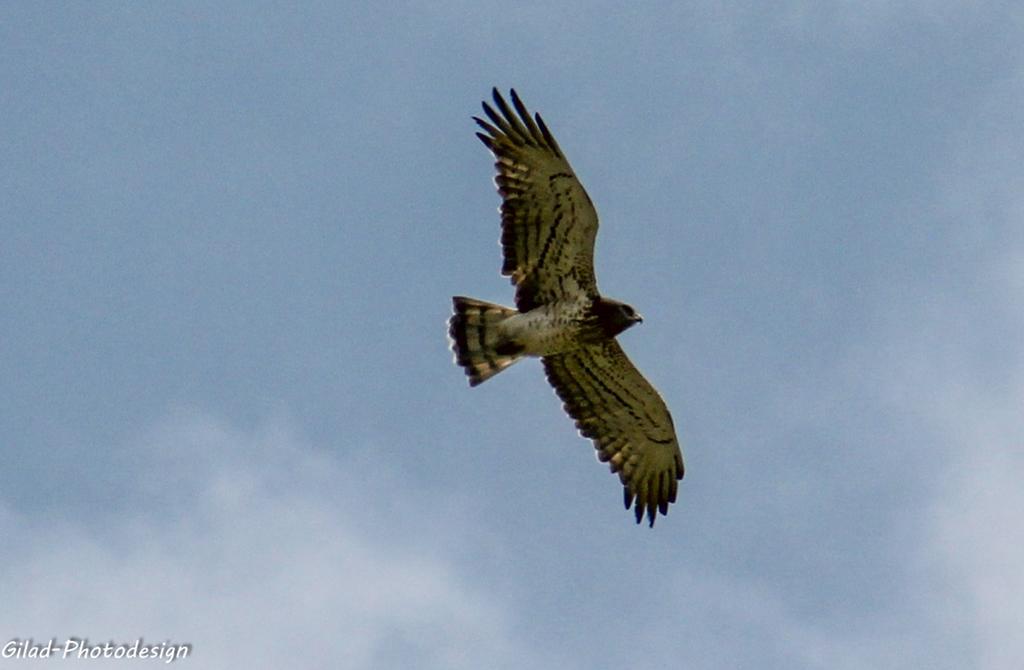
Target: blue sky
{"x": 228, "y": 413}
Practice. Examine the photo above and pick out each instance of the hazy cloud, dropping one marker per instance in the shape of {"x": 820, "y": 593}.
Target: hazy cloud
{"x": 249, "y": 546}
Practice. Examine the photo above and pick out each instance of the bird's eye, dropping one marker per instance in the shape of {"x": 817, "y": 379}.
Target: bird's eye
{"x": 628, "y": 310}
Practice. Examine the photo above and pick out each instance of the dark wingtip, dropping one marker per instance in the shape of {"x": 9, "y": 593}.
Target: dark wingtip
{"x": 489, "y": 111}
{"x": 642, "y": 509}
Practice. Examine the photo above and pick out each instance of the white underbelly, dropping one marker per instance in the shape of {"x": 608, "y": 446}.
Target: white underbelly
{"x": 546, "y": 330}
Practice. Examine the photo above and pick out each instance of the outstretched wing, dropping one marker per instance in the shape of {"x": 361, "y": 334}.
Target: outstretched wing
{"x": 615, "y": 406}
{"x": 548, "y": 223}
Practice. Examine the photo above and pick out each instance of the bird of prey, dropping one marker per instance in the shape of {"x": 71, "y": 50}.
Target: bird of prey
{"x": 548, "y": 227}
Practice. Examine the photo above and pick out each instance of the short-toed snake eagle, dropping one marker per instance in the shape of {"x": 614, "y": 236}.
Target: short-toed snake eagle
{"x": 548, "y": 227}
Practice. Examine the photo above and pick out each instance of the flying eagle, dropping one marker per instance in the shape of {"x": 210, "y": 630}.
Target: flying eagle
{"x": 548, "y": 227}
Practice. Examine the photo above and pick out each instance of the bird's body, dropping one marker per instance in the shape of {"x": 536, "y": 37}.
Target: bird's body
{"x": 548, "y": 230}
{"x": 549, "y": 329}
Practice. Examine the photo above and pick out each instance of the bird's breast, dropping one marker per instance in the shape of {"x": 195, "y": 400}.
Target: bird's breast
{"x": 552, "y": 329}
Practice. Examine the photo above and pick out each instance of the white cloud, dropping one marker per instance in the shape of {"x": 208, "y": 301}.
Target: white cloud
{"x": 974, "y": 533}
{"x": 251, "y": 548}
{"x": 977, "y": 545}
{"x": 957, "y": 363}
{"x": 944, "y": 355}
{"x": 957, "y": 598}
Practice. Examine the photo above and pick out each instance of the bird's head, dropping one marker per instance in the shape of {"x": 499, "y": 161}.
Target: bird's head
{"x": 615, "y": 316}
{"x": 630, "y": 315}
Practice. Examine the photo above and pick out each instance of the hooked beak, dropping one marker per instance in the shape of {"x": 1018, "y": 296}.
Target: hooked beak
{"x": 638, "y": 318}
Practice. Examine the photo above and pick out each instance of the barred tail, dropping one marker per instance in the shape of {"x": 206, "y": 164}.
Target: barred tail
{"x": 476, "y": 340}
